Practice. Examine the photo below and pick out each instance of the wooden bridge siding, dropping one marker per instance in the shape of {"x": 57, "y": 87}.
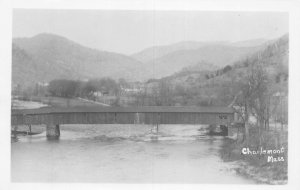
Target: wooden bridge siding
{"x": 125, "y": 118}
{"x": 121, "y": 118}
{"x": 150, "y": 118}
{"x": 194, "y": 118}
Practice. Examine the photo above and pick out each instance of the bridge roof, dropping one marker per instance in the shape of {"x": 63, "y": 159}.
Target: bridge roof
{"x": 143, "y": 109}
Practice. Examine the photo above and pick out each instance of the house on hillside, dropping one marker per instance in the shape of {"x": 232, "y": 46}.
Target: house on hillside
{"x": 133, "y": 88}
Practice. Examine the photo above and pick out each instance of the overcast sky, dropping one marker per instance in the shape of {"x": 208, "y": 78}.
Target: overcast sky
{"x": 131, "y": 31}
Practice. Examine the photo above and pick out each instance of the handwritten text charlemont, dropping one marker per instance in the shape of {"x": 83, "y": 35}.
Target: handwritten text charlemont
{"x": 273, "y": 154}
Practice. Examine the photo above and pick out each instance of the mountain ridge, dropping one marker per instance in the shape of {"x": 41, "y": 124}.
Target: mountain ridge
{"x": 46, "y": 56}
{"x": 58, "y": 55}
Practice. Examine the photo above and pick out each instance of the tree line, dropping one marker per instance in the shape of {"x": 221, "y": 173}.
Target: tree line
{"x": 75, "y": 88}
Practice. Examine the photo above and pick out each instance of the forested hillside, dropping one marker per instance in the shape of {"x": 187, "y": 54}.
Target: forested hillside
{"x": 219, "y": 87}
{"x": 46, "y": 57}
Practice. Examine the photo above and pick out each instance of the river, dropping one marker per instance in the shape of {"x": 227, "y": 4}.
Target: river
{"x": 122, "y": 154}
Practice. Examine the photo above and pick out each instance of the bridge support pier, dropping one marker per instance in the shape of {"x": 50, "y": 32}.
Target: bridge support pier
{"x": 224, "y": 129}
{"x": 52, "y": 131}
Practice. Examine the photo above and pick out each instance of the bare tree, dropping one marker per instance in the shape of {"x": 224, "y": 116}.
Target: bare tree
{"x": 254, "y": 98}
{"x": 260, "y": 94}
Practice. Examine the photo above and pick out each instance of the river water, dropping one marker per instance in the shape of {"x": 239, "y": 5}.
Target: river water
{"x": 122, "y": 154}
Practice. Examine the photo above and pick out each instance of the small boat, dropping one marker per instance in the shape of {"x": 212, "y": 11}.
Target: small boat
{"x": 23, "y": 133}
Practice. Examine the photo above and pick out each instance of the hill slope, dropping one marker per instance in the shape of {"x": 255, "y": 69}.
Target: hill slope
{"x": 165, "y": 60}
{"x": 46, "y": 56}
{"x": 217, "y": 55}
{"x": 219, "y": 86}
{"x": 156, "y": 52}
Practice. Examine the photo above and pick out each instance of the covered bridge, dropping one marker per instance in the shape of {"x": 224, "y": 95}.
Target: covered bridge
{"x": 53, "y": 117}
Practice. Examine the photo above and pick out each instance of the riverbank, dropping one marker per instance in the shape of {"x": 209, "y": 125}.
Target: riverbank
{"x": 60, "y": 102}
{"x": 257, "y": 163}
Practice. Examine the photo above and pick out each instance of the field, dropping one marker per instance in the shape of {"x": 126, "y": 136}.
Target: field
{"x": 62, "y": 102}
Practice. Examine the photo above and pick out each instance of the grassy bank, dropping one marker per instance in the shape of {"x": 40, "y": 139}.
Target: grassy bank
{"x": 262, "y": 166}
{"x": 61, "y": 102}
